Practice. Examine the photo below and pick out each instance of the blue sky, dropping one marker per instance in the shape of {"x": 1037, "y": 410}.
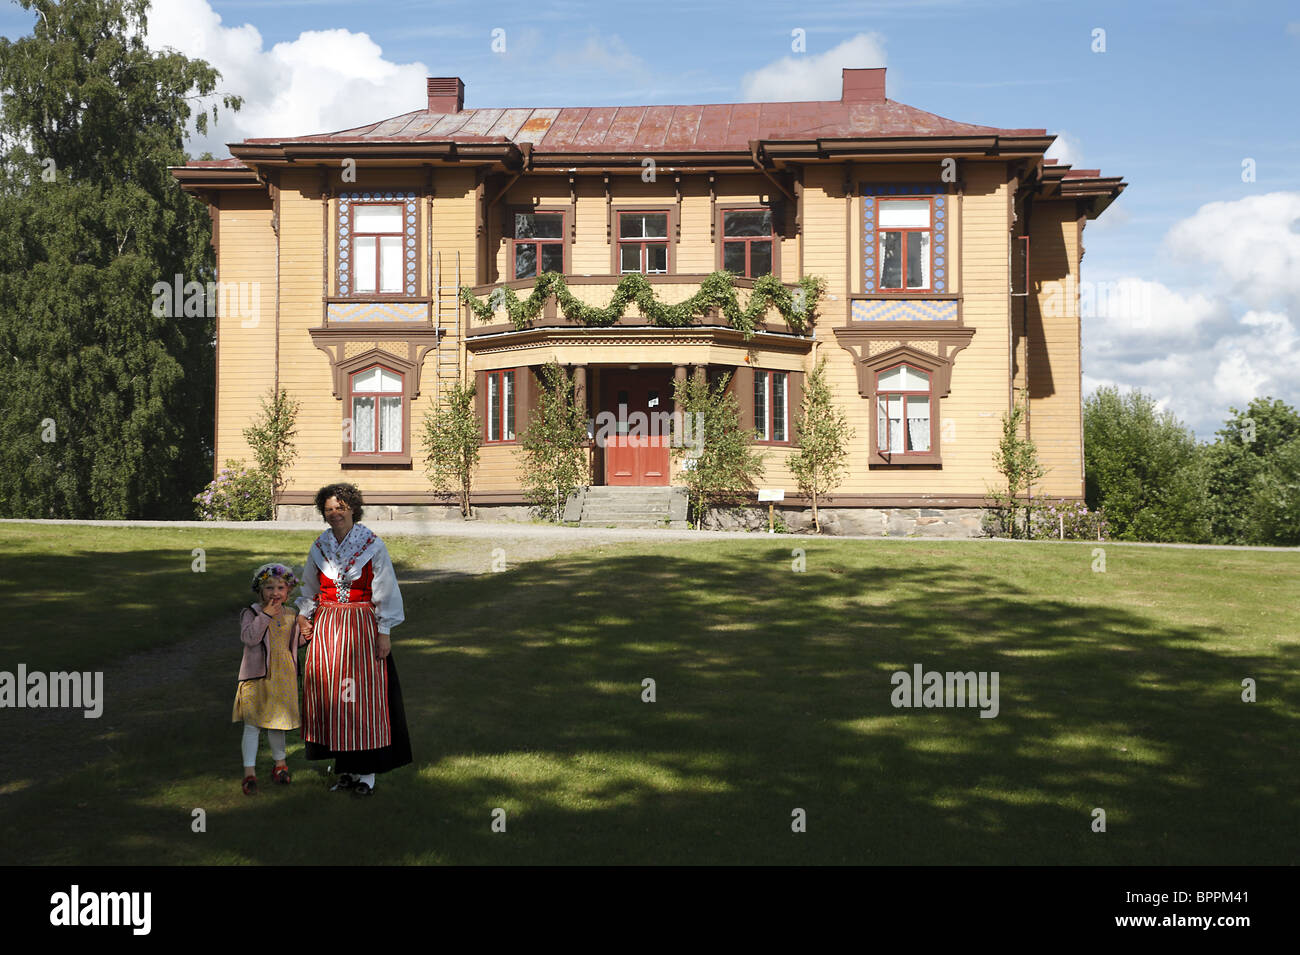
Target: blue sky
{"x": 1180, "y": 97}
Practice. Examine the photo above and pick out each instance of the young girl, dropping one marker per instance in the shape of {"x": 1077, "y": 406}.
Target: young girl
{"x": 267, "y": 697}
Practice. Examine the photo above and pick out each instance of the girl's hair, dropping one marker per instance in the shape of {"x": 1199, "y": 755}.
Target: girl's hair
{"x": 273, "y": 571}
{"x": 346, "y": 493}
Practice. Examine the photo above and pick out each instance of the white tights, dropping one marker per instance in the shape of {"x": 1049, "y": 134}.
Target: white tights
{"x": 252, "y": 734}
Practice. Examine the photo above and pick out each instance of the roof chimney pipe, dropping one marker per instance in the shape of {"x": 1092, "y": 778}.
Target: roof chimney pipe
{"x": 864, "y": 86}
{"x": 446, "y": 94}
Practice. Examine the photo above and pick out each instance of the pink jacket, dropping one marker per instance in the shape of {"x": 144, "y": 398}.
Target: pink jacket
{"x": 254, "y": 631}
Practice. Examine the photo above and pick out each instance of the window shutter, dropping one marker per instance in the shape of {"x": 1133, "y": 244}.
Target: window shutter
{"x": 794, "y": 397}
{"x": 526, "y": 385}
{"x": 480, "y": 402}
{"x": 742, "y": 386}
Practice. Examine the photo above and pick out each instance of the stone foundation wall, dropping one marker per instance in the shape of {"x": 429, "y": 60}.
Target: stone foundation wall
{"x": 949, "y": 522}
{"x": 376, "y": 513}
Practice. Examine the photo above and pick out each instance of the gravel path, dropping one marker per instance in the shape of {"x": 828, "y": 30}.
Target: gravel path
{"x": 571, "y": 538}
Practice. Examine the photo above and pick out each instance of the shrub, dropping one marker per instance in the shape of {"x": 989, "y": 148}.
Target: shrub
{"x": 1051, "y": 516}
{"x": 236, "y": 494}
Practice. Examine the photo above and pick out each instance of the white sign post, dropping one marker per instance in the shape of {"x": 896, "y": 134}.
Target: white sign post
{"x": 770, "y": 494}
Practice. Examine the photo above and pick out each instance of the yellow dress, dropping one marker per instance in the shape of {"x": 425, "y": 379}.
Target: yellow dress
{"x": 272, "y": 702}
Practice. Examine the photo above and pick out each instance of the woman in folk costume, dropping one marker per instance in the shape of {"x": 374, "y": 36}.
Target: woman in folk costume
{"x": 352, "y": 702}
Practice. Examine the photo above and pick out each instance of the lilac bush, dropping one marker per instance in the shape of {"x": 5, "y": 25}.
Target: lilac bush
{"x": 1051, "y": 515}
{"x": 236, "y": 494}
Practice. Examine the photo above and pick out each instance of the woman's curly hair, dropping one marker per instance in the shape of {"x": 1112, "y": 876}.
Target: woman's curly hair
{"x": 346, "y": 493}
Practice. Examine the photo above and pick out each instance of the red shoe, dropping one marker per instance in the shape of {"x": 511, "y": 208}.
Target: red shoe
{"x": 281, "y": 775}
{"x": 250, "y": 786}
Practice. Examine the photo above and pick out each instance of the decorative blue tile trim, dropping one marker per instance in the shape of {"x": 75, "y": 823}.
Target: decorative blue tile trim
{"x": 346, "y": 201}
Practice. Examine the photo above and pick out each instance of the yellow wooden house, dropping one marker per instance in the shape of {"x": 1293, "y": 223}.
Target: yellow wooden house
{"x": 950, "y": 254}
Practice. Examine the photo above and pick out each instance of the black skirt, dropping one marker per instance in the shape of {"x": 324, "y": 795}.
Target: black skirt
{"x": 359, "y": 762}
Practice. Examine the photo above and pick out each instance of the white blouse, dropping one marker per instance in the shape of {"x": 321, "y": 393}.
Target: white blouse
{"x": 385, "y": 595}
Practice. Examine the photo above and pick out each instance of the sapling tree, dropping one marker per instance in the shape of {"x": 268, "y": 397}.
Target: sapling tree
{"x": 823, "y": 432}
{"x": 719, "y": 462}
{"x": 553, "y": 445}
{"x": 452, "y": 437}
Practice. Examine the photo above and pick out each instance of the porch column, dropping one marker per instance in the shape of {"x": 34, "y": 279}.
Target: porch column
{"x": 580, "y": 386}
{"x": 679, "y": 379}
{"x": 580, "y": 399}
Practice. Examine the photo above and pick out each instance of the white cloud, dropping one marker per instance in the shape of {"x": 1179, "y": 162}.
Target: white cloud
{"x": 1065, "y": 150}
{"x": 1228, "y": 336}
{"x": 1252, "y": 245}
{"x": 1200, "y": 377}
{"x": 325, "y": 80}
{"x": 1131, "y": 309}
{"x": 813, "y": 76}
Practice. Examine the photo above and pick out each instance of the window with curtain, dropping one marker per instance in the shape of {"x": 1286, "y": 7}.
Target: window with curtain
{"x": 377, "y": 247}
{"x": 903, "y": 244}
{"x": 903, "y": 411}
{"x": 376, "y": 411}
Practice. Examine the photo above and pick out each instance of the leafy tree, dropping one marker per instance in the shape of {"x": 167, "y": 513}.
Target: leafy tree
{"x": 452, "y": 437}
{"x": 1145, "y": 468}
{"x": 1251, "y": 464}
{"x": 719, "y": 463}
{"x": 1016, "y": 459}
{"x": 554, "y": 444}
{"x": 1273, "y": 510}
{"x": 272, "y": 442}
{"x": 821, "y": 462}
{"x": 106, "y": 409}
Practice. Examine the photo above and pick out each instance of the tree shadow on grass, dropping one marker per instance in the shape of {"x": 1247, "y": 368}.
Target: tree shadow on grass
{"x": 524, "y": 693}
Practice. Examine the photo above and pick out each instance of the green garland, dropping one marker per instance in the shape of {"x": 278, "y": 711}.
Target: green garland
{"x": 716, "y": 291}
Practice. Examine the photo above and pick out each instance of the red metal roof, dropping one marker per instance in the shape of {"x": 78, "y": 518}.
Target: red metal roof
{"x": 722, "y": 127}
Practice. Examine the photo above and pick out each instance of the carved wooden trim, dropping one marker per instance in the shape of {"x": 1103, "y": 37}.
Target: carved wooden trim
{"x": 333, "y": 342}
{"x": 857, "y": 342}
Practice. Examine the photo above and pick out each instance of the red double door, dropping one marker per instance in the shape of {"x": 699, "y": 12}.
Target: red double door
{"x": 641, "y": 459}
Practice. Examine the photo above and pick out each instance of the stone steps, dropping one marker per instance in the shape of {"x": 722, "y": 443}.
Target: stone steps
{"x": 627, "y": 507}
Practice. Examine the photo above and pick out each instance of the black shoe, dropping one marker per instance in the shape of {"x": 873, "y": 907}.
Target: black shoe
{"x": 345, "y": 782}
{"x": 362, "y": 789}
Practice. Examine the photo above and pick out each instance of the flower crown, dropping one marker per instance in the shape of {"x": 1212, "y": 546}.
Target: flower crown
{"x": 268, "y": 571}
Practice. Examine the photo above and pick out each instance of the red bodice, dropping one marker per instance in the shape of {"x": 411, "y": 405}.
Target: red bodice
{"x": 359, "y": 592}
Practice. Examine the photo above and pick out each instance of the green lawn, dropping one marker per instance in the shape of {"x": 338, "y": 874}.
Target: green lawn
{"x": 1119, "y": 690}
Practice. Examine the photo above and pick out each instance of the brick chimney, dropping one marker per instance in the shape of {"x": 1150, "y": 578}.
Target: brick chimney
{"x": 446, "y": 94}
{"x": 863, "y": 86}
